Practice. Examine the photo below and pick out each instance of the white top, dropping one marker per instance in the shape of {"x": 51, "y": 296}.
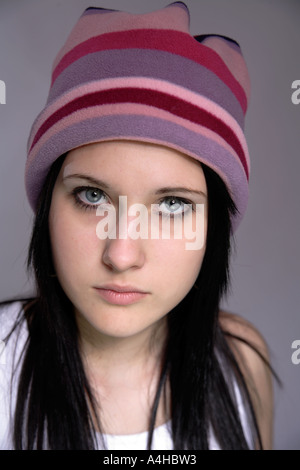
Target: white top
{"x": 161, "y": 438}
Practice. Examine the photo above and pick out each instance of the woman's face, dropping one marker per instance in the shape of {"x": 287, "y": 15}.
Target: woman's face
{"x": 122, "y": 274}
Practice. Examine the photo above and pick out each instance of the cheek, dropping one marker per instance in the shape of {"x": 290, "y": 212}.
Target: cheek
{"x": 73, "y": 243}
{"x": 177, "y": 268}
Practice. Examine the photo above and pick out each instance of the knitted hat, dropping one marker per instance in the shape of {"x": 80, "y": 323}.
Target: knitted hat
{"x": 146, "y": 78}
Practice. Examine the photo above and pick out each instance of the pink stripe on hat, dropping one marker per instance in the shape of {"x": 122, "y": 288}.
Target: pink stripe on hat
{"x": 128, "y": 109}
{"x": 141, "y": 83}
{"x": 174, "y": 42}
{"x": 89, "y": 25}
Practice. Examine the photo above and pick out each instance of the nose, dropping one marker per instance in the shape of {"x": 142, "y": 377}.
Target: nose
{"x": 123, "y": 254}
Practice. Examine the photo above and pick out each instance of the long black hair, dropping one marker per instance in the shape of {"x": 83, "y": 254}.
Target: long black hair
{"x": 55, "y": 408}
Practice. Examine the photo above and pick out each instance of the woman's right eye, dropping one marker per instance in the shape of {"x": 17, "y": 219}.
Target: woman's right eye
{"x": 89, "y": 198}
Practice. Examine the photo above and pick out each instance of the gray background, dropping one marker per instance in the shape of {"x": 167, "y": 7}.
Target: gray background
{"x": 265, "y": 268}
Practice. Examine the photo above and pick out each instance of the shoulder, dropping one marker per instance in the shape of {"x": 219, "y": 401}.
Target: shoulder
{"x": 251, "y": 352}
{"x": 9, "y": 312}
{"x": 13, "y": 330}
{"x": 244, "y": 331}
{"x": 13, "y": 335}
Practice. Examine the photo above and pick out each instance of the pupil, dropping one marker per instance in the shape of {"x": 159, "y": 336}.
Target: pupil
{"x": 92, "y": 195}
{"x": 173, "y": 204}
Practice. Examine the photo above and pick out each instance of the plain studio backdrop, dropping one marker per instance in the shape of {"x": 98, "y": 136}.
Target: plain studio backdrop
{"x": 265, "y": 268}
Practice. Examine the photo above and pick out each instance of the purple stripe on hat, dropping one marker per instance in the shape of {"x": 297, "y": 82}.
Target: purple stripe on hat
{"x": 142, "y": 128}
{"x": 147, "y": 63}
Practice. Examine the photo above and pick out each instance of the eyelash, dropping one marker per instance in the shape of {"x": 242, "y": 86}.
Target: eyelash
{"x": 92, "y": 207}
{"x": 79, "y": 202}
{"x": 170, "y": 215}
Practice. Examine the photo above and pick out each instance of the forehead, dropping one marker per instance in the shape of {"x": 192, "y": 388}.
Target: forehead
{"x": 127, "y": 161}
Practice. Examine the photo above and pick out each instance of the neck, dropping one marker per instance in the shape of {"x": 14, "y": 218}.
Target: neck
{"x": 124, "y": 374}
{"x": 122, "y": 355}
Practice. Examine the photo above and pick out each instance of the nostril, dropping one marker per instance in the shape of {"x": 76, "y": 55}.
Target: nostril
{"x": 123, "y": 254}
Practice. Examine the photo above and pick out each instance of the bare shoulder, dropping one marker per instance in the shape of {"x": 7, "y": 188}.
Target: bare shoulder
{"x": 251, "y": 352}
{"x": 236, "y": 326}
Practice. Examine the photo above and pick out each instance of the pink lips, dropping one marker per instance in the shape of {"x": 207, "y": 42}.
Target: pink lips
{"x": 120, "y": 295}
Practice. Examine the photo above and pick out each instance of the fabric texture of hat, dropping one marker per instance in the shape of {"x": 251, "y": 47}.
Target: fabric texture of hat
{"x": 146, "y": 78}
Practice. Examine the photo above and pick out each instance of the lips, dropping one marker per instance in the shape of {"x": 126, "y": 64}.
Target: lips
{"x": 120, "y": 295}
{"x": 119, "y": 288}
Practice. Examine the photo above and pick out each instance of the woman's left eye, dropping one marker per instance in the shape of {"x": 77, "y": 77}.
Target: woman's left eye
{"x": 172, "y": 206}
{"x": 88, "y": 197}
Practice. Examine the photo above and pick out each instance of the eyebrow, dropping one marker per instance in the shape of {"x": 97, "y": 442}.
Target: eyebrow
{"x": 164, "y": 190}
{"x": 179, "y": 189}
{"x": 91, "y": 179}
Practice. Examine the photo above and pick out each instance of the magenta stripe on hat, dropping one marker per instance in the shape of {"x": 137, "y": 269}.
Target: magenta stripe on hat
{"x": 153, "y": 98}
{"x": 147, "y": 63}
{"x": 140, "y": 83}
{"x": 128, "y": 109}
{"x": 90, "y": 25}
{"x": 231, "y": 53}
{"x": 173, "y": 41}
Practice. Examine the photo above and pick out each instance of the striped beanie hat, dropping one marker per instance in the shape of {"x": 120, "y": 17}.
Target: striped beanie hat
{"x": 146, "y": 78}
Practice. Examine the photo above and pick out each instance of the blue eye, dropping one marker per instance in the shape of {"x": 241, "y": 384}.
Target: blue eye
{"x": 89, "y": 198}
{"x": 172, "y": 206}
{"x": 92, "y": 195}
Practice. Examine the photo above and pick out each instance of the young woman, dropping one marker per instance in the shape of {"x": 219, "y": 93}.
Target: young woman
{"x": 137, "y": 172}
